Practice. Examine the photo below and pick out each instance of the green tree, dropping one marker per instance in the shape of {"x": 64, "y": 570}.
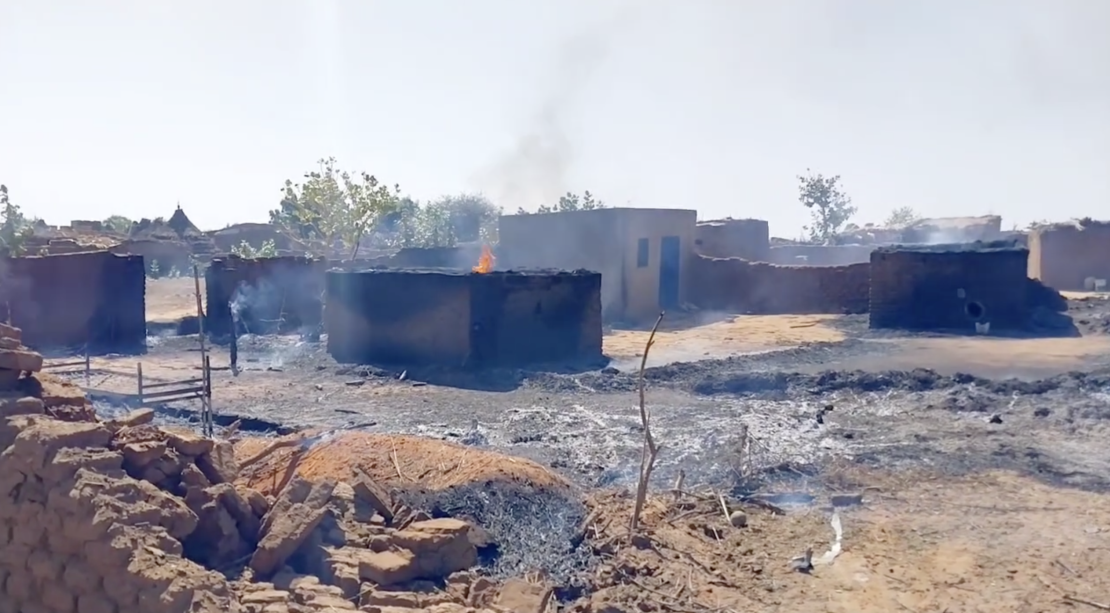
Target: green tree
{"x": 15, "y": 229}
{"x": 118, "y": 224}
{"x": 247, "y": 251}
{"x": 335, "y": 206}
{"x": 901, "y": 217}
{"x": 830, "y": 208}
{"x": 570, "y": 202}
{"x": 473, "y": 217}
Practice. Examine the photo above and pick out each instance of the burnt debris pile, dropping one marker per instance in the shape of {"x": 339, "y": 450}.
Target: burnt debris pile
{"x": 121, "y": 515}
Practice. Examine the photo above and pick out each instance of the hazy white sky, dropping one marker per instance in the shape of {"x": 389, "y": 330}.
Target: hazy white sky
{"x": 954, "y": 107}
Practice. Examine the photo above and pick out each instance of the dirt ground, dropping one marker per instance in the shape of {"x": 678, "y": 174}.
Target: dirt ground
{"x": 980, "y": 494}
{"x": 990, "y": 543}
{"x": 169, "y": 300}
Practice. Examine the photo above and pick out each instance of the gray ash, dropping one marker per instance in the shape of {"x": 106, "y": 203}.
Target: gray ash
{"x": 532, "y": 529}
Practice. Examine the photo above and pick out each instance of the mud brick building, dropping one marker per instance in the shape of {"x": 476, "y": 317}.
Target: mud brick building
{"x": 737, "y": 285}
{"x": 415, "y": 317}
{"x": 950, "y": 287}
{"x": 749, "y": 239}
{"x": 67, "y": 301}
{"x": 272, "y": 295}
{"x": 1064, "y": 256}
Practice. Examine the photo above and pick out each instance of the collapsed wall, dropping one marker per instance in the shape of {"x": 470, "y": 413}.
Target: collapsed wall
{"x": 123, "y": 516}
{"x": 511, "y": 318}
{"x": 97, "y": 298}
{"x": 738, "y": 285}
{"x": 270, "y": 295}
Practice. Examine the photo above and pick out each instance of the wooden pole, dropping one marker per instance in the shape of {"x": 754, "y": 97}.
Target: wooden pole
{"x": 139, "y": 372}
{"x": 88, "y": 366}
{"x": 205, "y": 407}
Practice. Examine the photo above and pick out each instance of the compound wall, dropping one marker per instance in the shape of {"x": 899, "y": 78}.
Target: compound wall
{"x": 1064, "y": 256}
{"x": 69, "y": 300}
{"x": 950, "y": 287}
{"x": 391, "y": 316}
{"x": 272, "y": 295}
{"x": 738, "y": 285}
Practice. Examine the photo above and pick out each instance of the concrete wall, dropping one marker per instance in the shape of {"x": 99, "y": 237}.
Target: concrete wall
{"x": 932, "y": 287}
{"x": 68, "y": 300}
{"x": 282, "y": 294}
{"x": 463, "y": 319}
{"x": 1063, "y": 256}
{"x": 736, "y": 285}
{"x": 604, "y": 241}
{"x": 398, "y": 316}
{"x": 749, "y": 239}
{"x": 819, "y": 255}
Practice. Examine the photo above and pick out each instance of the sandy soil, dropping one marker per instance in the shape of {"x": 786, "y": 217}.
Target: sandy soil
{"x": 169, "y": 300}
{"x": 678, "y": 341}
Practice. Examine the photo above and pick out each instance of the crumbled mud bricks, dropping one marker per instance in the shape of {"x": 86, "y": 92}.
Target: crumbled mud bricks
{"x": 123, "y": 516}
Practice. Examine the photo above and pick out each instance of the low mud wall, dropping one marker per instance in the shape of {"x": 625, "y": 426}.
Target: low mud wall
{"x": 948, "y": 287}
{"x": 738, "y": 285}
{"x": 819, "y": 255}
{"x": 66, "y": 301}
{"x": 270, "y": 295}
{"x": 463, "y": 319}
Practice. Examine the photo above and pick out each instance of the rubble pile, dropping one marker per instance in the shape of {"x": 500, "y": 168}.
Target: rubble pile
{"x": 121, "y": 515}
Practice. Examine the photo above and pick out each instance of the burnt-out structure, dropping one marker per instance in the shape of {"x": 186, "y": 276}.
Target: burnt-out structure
{"x": 950, "y": 287}
{"x": 1071, "y": 256}
{"x": 452, "y": 318}
{"x": 94, "y": 298}
{"x": 268, "y": 295}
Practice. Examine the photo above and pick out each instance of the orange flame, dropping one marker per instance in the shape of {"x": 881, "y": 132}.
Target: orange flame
{"x": 485, "y": 261}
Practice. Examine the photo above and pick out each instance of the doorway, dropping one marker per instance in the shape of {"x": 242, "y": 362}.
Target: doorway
{"x": 670, "y": 258}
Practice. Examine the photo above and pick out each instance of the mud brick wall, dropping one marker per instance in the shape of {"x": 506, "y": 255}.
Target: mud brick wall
{"x": 69, "y": 300}
{"x": 1064, "y": 256}
{"x": 733, "y": 238}
{"x": 737, "y": 285}
{"x": 391, "y": 316}
{"x": 276, "y": 295}
{"x": 530, "y": 317}
{"x": 936, "y": 287}
{"x": 819, "y": 255}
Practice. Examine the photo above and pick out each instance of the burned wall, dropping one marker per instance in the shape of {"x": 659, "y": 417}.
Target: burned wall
{"x": 398, "y": 316}
{"x": 429, "y": 316}
{"x": 950, "y": 287}
{"x": 749, "y": 239}
{"x": 66, "y": 301}
{"x": 1064, "y": 256}
{"x": 736, "y": 285}
{"x": 271, "y": 295}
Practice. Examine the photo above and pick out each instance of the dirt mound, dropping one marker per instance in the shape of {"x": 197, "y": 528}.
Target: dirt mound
{"x": 396, "y": 461}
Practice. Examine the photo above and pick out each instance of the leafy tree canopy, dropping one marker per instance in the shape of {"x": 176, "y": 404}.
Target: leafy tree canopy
{"x": 830, "y": 208}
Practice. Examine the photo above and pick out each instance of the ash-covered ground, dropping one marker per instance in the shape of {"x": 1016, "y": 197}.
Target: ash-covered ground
{"x": 784, "y": 414}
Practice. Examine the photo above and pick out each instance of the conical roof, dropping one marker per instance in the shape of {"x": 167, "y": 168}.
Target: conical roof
{"x": 180, "y": 223}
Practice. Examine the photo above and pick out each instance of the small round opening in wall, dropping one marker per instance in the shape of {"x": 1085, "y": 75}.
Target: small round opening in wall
{"x": 975, "y": 310}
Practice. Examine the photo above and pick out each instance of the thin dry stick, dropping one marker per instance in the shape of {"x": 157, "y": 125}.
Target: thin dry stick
{"x": 1089, "y": 603}
{"x": 651, "y": 451}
